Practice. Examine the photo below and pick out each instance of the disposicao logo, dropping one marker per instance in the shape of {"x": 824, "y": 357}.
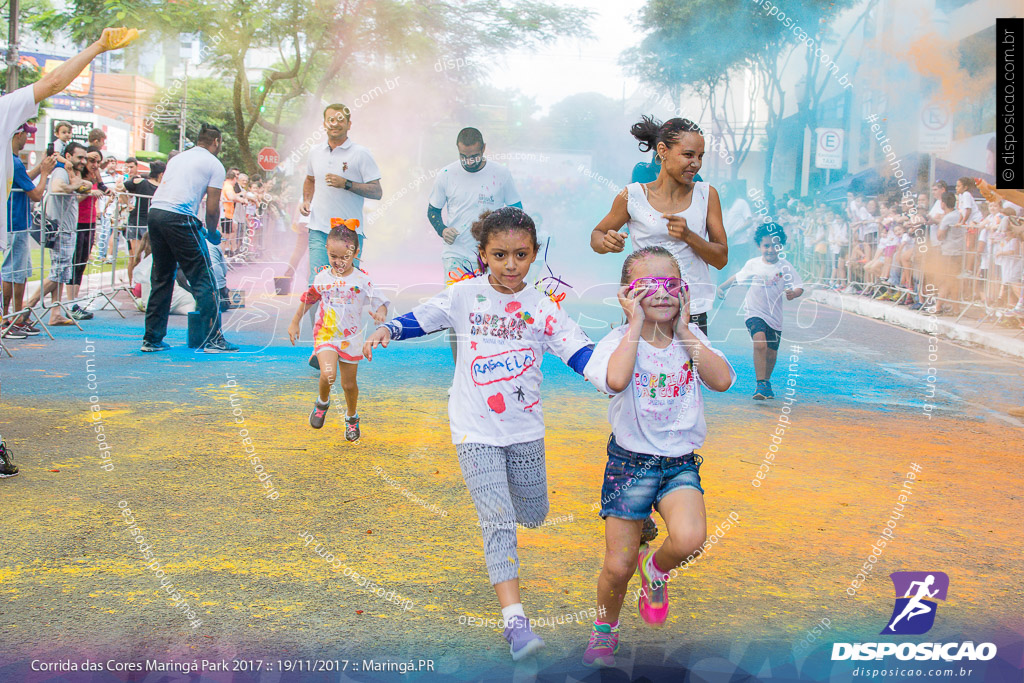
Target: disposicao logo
{"x": 917, "y": 594}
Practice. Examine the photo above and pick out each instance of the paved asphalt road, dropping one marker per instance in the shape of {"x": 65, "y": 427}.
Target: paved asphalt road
{"x": 869, "y": 404}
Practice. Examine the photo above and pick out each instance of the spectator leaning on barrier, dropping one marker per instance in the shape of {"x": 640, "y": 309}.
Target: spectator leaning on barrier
{"x": 141, "y": 190}
{"x": 17, "y": 263}
{"x": 131, "y": 169}
{"x": 227, "y": 203}
{"x": 17, "y": 108}
{"x": 60, "y": 216}
{"x": 1008, "y": 258}
{"x": 936, "y": 213}
{"x": 86, "y": 232}
{"x": 107, "y": 207}
{"x": 952, "y": 239}
{"x": 178, "y": 237}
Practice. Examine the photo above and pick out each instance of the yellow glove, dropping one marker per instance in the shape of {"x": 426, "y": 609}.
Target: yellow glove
{"x": 116, "y": 38}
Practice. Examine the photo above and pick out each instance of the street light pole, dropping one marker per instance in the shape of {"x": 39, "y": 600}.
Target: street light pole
{"x": 12, "y": 47}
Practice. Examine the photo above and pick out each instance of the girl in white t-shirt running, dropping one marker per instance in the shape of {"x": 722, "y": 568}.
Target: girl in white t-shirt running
{"x": 674, "y": 212}
{"x": 652, "y": 367}
{"x": 340, "y": 291}
{"x": 502, "y": 329}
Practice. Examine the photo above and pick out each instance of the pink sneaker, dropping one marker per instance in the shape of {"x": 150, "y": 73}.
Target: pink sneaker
{"x": 603, "y": 644}
{"x": 653, "y": 601}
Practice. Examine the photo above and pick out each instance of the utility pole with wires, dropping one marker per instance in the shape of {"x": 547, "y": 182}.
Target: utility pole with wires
{"x": 12, "y": 47}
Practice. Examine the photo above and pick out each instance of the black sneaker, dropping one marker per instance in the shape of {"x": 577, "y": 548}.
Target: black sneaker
{"x": 7, "y": 466}
{"x": 319, "y": 414}
{"x": 352, "y": 428}
{"x": 219, "y": 345}
{"x": 80, "y": 313}
{"x": 13, "y": 331}
{"x": 151, "y": 347}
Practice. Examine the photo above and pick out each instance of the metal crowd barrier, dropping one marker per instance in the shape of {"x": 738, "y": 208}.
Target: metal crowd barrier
{"x": 96, "y": 281}
{"x": 101, "y": 276}
{"x": 968, "y": 288}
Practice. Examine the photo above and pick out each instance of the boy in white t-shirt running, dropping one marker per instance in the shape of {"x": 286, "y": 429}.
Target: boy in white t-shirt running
{"x": 770, "y": 279}
{"x": 653, "y": 368}
{"x": 341, "y": 290}
{"x": 502, "y": 328}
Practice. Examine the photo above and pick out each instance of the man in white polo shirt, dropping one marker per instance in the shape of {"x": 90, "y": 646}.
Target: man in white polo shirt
{"x": 467, "y": 187}
{"x": 339, "y": 175}
{"x": 177, "y": 237}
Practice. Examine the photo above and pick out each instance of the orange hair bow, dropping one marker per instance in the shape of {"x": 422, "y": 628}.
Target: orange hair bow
{"x": 350, "y": 223}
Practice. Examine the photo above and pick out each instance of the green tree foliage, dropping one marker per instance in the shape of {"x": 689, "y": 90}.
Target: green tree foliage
{"x": 322, "y": 44}
{"x": 750, "y": 49}
{"x": 208, "y": 101}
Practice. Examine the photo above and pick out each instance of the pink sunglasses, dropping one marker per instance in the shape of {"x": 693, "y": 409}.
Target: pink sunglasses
{"x": 648, "y": 286}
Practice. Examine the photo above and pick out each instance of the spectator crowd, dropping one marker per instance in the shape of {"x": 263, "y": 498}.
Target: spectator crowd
{"x": 87, "y": 211}
{"x": 954, "y": 249}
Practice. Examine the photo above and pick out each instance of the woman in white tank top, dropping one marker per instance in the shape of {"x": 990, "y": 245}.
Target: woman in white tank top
{"x": 673, "y": 212}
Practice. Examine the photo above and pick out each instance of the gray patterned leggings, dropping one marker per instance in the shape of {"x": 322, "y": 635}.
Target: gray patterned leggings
{"x": 508, "y": 485}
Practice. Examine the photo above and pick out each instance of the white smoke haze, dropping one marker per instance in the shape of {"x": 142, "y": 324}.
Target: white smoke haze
{"x": 569, "y": 157}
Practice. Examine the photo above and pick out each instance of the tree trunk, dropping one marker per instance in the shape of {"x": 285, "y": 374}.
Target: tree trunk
{"x": 248, "y": 160}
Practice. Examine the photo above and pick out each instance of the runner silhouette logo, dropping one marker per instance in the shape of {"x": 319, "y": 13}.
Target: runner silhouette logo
{"x": 917, "y": 594}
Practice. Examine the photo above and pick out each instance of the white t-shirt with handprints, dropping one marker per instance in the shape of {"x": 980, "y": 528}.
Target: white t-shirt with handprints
{"x": 502, "y": 339}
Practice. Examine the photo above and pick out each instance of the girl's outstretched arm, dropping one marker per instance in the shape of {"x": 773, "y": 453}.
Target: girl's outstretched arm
{"x": 403, "y": 327}
{"x": 293, "y": 327}
{"x": 308, "y": 299}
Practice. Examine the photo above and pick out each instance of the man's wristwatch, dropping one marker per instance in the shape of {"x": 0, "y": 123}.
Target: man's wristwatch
{"x": 348, "y": 184}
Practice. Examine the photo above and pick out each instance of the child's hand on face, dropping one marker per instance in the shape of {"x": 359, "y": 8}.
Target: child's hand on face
{"x": 682, "y": 326}
{"x": 629, "y": 299}
{"x": 293, "y": 332}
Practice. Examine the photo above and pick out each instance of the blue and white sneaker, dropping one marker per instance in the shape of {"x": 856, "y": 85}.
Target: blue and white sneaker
{"x": 761, "y": 393}
{"x": 768, "y": 389}
{"x": 523, "y": 642}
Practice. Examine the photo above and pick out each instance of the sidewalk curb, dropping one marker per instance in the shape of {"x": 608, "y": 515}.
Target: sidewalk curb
{"x": 920, "y": 322}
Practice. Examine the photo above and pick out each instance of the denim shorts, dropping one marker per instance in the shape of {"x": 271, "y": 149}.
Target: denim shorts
{"x": 17, "y": 266}
{"x": 635, "y": 482}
